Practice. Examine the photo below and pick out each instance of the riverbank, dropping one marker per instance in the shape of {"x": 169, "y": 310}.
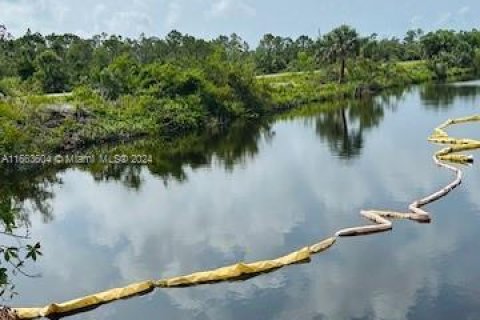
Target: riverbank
{"x": 66, "y": 123}
{"x": 290, "y": 90}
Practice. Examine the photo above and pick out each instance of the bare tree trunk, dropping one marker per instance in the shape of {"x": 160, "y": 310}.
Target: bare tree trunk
{"x": 342, "y": 71}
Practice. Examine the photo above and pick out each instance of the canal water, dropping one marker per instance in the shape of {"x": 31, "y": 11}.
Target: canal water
{"x": 257, "y": 192}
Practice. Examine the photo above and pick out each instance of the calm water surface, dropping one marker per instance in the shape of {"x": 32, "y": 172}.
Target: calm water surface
{"x": 258, "y": 192}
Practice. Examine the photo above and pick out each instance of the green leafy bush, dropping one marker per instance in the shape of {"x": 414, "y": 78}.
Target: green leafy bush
{"x": 181, "y": 115}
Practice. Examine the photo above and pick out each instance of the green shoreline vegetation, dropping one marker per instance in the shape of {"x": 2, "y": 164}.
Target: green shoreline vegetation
{"x": 119, "y": 88}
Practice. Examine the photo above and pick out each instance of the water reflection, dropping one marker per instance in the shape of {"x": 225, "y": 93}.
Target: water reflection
{"x": 20, "y": 195}
{"x": 247, "y": 197}
{"x": 344, "y": 128}
{"x": 438, "y": 97}
{"x": 230, "y": 147}
{"x": 29, "y": 190}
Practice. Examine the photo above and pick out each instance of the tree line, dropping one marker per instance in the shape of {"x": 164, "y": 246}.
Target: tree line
{"x": 56, "y": 63}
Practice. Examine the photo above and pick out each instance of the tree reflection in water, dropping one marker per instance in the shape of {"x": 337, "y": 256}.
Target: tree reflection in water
{"x": 171, "y": 158}
{"x": 442, "y": 96}
{"x": 25, "y": 191}
{"x": 343, "y": 128}
{"x": 22, "y": 192}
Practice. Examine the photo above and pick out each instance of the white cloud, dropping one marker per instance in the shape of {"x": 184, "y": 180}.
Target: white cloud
{"x": 224, "y": 8}
{"x": 86, "y": 18}
{"x": 455, "y": 18}
{"x": 248, "y": 18}
{"x": 173, "y": 14}
{"x": 129, "y": 22}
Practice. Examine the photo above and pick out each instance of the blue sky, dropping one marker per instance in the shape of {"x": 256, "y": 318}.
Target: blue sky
{"x": 249, "y": 18}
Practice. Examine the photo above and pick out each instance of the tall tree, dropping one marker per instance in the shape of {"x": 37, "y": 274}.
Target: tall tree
{"x": 51, "y": 72}
{"x": 7, "y": 63}
{"x": 339, "y": 45}
{"x": 78, "y": 59}
{"x": 274, "y": 53}
{"x": 4, "y": 34}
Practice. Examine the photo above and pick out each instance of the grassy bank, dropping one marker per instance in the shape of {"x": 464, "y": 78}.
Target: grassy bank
{"x": 293, "y": 89}
{"x": 63, "y": 123}
{"x": 159, "y": 100}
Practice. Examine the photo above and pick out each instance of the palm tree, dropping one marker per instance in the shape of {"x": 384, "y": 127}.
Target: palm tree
{"x": 340, "y": 44}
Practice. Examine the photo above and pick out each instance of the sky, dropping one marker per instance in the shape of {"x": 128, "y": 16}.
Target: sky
{"x": 251, "y": 19}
